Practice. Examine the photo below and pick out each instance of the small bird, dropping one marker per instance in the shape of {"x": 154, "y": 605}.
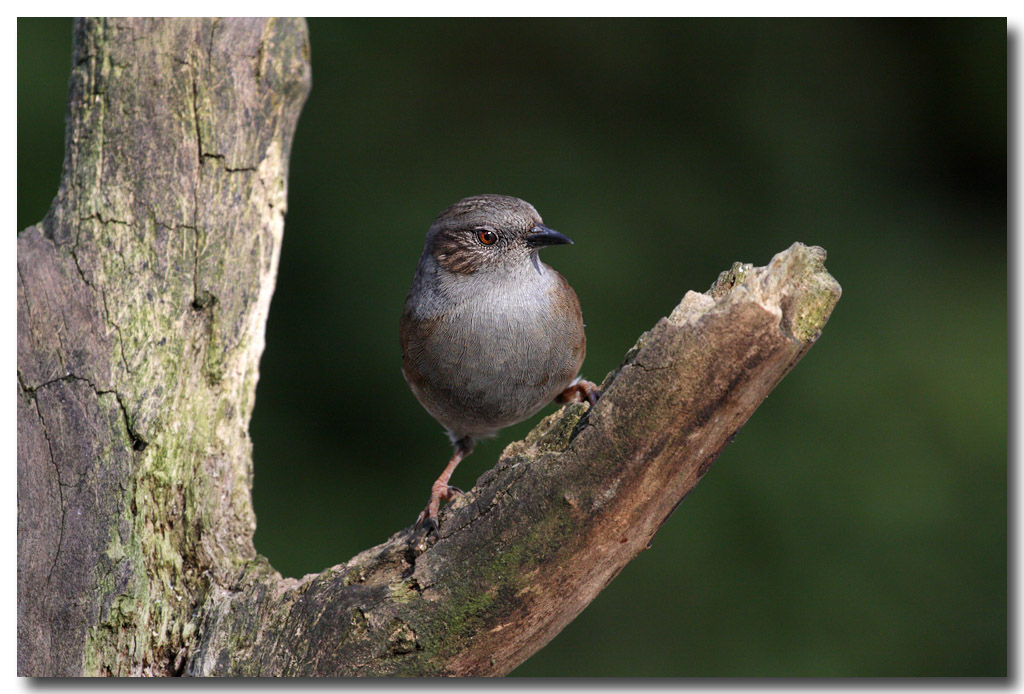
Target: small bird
{"x": 490, "y": 334}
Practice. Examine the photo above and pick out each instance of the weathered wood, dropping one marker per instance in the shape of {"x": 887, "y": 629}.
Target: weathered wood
{"x": 142, "y": 299}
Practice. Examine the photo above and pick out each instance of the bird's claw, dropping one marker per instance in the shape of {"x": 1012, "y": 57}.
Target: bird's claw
{"x": 428, "y": 518}
{"x": 426, "y": 521}
{"x": 578, "y": 392}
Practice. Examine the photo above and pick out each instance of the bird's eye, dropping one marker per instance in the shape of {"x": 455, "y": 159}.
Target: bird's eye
{"x": 486, "y": 237}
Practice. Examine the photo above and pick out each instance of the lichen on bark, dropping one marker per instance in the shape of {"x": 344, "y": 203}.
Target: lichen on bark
{"x": 142, "y": 295}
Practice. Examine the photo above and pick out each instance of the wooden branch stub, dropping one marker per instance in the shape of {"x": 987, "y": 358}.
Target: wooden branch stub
{"x": 563, "y": 511}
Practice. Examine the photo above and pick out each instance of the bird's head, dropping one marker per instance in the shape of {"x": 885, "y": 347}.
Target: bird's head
{"x": 489, "y": 233}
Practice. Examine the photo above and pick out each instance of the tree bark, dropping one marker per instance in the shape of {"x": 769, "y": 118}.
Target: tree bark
{"x": 142, "y": 300}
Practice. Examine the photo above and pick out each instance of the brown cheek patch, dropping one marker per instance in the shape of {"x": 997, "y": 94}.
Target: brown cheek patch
{"x": 452, "y": 254}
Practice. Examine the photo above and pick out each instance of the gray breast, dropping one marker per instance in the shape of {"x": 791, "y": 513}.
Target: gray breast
{"x": 495, "y": 358}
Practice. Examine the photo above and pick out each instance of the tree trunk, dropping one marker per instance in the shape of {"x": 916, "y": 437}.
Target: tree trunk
{"x": 142, "y": 300}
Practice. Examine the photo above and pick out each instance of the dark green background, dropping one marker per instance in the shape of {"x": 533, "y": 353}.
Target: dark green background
{"x": 858, "y": 523}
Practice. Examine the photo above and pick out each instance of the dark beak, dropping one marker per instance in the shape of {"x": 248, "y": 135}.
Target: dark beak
{"x": 540, "y": 236}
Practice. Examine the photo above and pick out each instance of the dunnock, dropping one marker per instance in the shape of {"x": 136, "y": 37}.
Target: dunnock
{"x": 490, "y": 334}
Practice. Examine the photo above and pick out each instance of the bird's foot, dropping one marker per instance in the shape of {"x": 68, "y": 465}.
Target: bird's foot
{"x": 578, "y": 392}
{"x": 438, "y": 493}
{"x": 426, "y": 521}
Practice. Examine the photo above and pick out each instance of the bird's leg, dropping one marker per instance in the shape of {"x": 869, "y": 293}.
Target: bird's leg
{"x": 441, "y": 490}
{"x": 578, "y": 392}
